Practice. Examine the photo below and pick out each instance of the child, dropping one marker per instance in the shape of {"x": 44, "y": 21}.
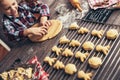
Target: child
{"x": 18, "y": 19}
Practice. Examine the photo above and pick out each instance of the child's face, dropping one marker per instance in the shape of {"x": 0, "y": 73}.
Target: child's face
{"x": 9, "y": 7}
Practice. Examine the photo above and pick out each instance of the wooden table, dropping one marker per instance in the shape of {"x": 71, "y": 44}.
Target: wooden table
{"x": 29, "y": 49}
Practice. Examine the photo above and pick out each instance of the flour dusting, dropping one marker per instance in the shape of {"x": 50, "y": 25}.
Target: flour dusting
{"x": 68, "y": 16}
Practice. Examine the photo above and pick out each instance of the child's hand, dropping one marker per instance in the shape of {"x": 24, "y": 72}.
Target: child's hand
{"x": 46, "y": 23}
{"x": 39, "y": 31}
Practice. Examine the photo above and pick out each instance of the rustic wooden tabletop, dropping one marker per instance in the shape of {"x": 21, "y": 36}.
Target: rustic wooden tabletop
{"x": 29, "y": 49}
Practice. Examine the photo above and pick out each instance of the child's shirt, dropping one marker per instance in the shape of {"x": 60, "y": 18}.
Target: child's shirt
{"x": 14, "y": 27}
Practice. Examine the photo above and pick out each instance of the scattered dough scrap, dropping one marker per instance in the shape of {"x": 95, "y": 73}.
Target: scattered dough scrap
{"x": 67, "y": 52}
{"x": 83, "y": 30}
{"x": 97, "y": 33}
{"x": 19, "y": 73}
{"x": 29, "y": 72}
{"x": 11, "y": 73}
{"x": 73, "y": 26}
{"x": 59, "y": 65}
{"x": 20, "y": 70}
{"x": 64, "y": 40}
{"x": 74, "y": 43}
{"x": 103, "y": 49}
{"x": 81, "y": 56}
{"x": 88, "y": 46}
{"x": 57, "y": 50}
{"x": 112, "y": 34}
{"x": 85, "y": 76}
{"x": 70, "y": 69}
{"x": 49, "y": 60}
{"x": 4, "y": 75}
{"x": 95, "y": 62}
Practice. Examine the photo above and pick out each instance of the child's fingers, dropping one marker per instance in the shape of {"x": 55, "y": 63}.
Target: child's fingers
{"x": 43, "y": 31}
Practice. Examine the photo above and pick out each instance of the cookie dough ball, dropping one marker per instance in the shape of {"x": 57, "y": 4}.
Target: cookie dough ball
{"x": 95, "y": 62}
{"x": 70, "y": 69}
{"x": 112, "y": 34}
{"x": 88, "y": 46}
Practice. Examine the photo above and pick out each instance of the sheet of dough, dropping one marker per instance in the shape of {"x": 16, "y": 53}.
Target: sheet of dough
{"x": 54, "y": 29}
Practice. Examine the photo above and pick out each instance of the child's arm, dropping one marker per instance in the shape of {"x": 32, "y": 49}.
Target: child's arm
{"x": 20, "y": 33}
{"x": 38, "y": 8}
{"x": 39, "y": 31}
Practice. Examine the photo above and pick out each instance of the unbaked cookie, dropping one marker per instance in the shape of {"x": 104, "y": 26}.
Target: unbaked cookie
{"x": 59, "y": 65}
{"x": 81, "y": 56}
{"x": 83, "y": 30}
{"x": 74, "y": 43}
{"x": 73, "y": 26}
{"x": 85, "y": 76}
{"x": 95, "y": 62}
{"x": 97, "y": 33}
{"x": 49, "y": 60}
{"x": 57, "y": 50}
{"x": 67, "y": 52}
{"x": 103, "y": 49}
{"x": 88, "y": 46}
{"x": 64, "y": 40}
{"x": 70, "y": 69}
{"x": 112, "y": 34}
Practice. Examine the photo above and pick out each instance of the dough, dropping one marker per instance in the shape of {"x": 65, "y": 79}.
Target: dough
{"x": 11, "y": 73}
{"x": 74, "y": 43}
{"x": 64, "y": 40}
{"x": 73, "y": 26}
{"x": 54, "y": 29}
{"x": 4, "y": 75}
{"x": 67, "y": 52}
{"x": 70, "y": 69}
{"x": 85, "y": 76}
{"x": 29, "y": 72}
{"x": 88, "y": 46}
{"x": 59, "y": 65}
{"x": 97, "y": 33}
{"x": 20, "y": 70}
{"x": 19, "y": 73}
{"x": 49, "y": 60}
{"x": 103, "y": 49}
{"x": 57, "y": 50}
{"x": 81, "y": 56}
{"x": 83, "y": 30}
{"x": 95, "y": 62}
{"x": 112, "y": 34}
